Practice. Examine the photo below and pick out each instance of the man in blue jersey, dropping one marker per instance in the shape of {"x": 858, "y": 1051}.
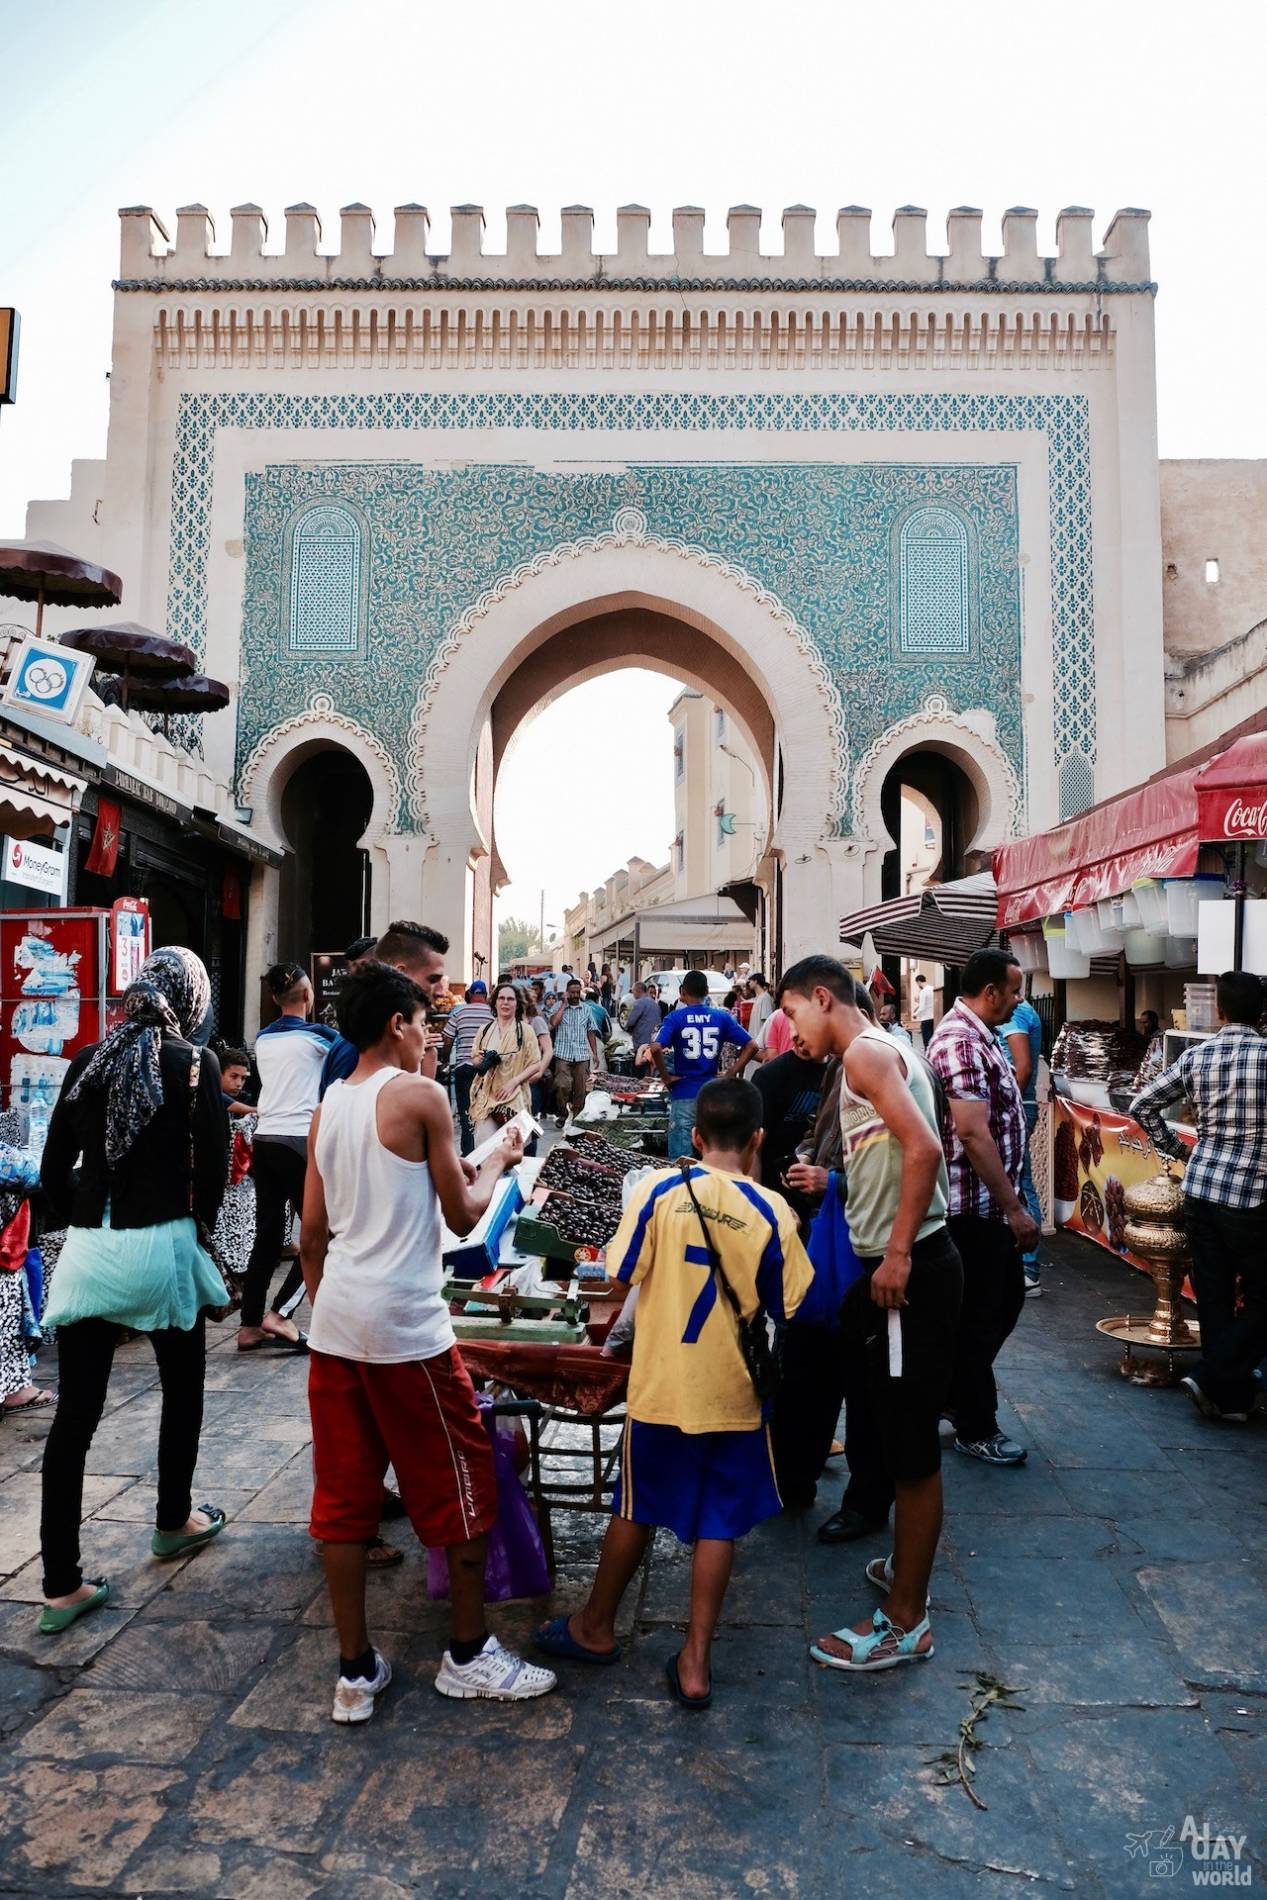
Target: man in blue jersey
{"x": 1022, "y": 1040}
{"x": 696, "y": 1033}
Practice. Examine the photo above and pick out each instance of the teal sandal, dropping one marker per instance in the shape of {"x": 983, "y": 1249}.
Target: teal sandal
{"x": 175, "y": 1543}
{"x": 52, "y": 1621}
{"x": 884, "y": 1646}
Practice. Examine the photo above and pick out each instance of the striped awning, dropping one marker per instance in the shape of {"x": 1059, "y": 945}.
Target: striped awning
{"x": 943, "y": 923}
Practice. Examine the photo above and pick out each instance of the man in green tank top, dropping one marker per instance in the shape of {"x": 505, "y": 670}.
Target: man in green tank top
{"x": 900, "y": 1318}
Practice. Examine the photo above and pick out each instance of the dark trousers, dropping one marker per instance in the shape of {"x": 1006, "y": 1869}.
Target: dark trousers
{"x": 993, "y": 1295}
{"x": 926, "y": 1031}
{"x": 278, "y": 1171}
{"x": 1229, "y": 1244}
{"x": 85, "y": 1353}
{"x": 806, "y": 1407}
{"x": 463, "y": 1077}
{"x": 820, "y": 1370}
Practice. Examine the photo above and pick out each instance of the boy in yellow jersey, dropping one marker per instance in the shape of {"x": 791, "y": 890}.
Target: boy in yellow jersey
{"x": 696, "y": 1453}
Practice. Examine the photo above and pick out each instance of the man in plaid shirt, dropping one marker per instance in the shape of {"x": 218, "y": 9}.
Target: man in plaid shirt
{"x": 1225, "y": 1192}
{"x": 983, "y": 1133}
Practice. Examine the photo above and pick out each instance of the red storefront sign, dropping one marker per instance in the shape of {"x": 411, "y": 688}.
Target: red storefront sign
{"x": 1232, "y": 791}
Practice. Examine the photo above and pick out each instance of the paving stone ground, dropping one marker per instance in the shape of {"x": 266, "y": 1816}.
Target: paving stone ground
{"x": 178, "y": 1742}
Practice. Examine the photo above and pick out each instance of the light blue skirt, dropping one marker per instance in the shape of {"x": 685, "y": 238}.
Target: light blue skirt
{"x": 148, "y": 1278}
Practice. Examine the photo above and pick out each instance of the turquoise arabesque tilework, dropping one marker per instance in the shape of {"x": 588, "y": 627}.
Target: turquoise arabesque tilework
{"x": 818, "y": 536}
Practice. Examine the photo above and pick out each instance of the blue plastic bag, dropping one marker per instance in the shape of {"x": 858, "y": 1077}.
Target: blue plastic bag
{"x": 836, "y": 1265}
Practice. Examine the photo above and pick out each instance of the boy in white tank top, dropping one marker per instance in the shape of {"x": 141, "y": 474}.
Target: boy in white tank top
{"x": 386, "y": 1382}
{"x": 899, "y": 1320}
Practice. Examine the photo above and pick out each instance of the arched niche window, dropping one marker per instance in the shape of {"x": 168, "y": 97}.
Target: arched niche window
{"x": 1077, "y": 785}
{"x": 934, "y": 584}
{"x": 325, "y": 566}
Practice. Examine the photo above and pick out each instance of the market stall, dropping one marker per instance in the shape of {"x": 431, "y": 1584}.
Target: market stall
{"x": 1125, "y": 916}
{"x": 532, "y": 1307}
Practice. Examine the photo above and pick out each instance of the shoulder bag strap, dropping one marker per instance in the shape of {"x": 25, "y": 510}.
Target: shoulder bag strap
{"x": 710, "y": 1248}
{"x": 195, "y": 1076}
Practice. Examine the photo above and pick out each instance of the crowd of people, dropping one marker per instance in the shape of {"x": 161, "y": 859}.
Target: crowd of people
{"x": 844, "y": 1219}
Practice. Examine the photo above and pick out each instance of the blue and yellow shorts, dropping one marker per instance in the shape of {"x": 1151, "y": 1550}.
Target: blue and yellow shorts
{"x": 697, "y": 1484}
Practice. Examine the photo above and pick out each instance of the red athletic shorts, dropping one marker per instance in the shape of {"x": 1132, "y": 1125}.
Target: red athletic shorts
{"x": 420, "y": 1417}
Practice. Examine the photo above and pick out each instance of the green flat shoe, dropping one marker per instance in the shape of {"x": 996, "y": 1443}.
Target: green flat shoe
{"x": 174, "y": 1543}
{"x": 52, "y": 1621}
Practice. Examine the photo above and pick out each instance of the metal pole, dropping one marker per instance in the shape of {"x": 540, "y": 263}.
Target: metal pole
{"x": 1238, "y": 899}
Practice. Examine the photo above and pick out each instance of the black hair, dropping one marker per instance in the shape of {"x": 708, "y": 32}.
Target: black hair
{"x": 694, "y": 983}
{"x": 864, "y": 1000}
{"x": 728, "y": 1115}
{"x": 284, "y": 979}
{"x": 986, "y": 967}
{"x": 358, "y": 948}
{"x": 574, "y": 979}
{"x": 757, "y": 976}
{"x": 820, "y": 973}
{"x": 370, "y": 996}
{"x": 403, "y": 942}
{"x": 1151, "y": 1016}
{"x": 234, "y": 1059}
{"x": 1240, "y": 997}
{"x": 505, "y": 983}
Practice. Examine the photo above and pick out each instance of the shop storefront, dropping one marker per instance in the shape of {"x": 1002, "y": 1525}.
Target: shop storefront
{"x": 1126, "y": 917}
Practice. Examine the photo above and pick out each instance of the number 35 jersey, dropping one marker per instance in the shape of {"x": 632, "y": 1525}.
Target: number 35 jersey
{"x": 687, "y": 1367}
{"x": 697, "y": 1035}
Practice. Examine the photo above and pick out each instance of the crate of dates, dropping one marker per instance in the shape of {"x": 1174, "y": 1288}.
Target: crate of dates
{"x": 574, "y": 1211}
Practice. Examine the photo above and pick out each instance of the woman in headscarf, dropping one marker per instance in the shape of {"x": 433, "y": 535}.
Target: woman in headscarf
{"x": 143, "y": 1116}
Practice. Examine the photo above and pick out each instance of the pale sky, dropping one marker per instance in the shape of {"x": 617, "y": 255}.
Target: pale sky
{"x": 711, "y": 102}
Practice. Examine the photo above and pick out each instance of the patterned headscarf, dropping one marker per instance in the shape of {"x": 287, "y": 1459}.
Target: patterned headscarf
{"x": 171, "y": 997}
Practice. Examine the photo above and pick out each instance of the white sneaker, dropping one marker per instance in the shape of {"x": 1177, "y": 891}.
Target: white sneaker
{"x": 354, "y": 1696}
{"x": 496, "y": 1674}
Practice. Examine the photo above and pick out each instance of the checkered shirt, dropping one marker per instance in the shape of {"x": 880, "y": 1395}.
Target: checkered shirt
{"x": 572, "y": 1037}
{"x": 972, "y": 1068}
{"x": 1225, "y": 1079}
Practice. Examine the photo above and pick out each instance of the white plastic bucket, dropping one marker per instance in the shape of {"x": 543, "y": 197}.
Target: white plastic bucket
{"x": 1183, "y": 894}
{"x": 1150, "y": 895}
{"x": 1145, "y": 946}
{"x": 1062, "y": 958}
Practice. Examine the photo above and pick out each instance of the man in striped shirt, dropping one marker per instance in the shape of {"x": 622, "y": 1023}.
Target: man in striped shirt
{"x": 575, "y": 1050}
{"x": 1225, "y": 1192}
{"x": 461, "y": 1029}
{"x": 983, "y": 1134}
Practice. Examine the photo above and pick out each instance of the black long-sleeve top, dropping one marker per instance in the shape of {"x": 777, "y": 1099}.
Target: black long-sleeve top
{"x": 152, "y": 1182}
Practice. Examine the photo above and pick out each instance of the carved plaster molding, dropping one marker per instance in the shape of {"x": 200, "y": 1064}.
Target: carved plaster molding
{"x": 321, "y": 718}
{"x": 937, "y": 721}
{"x": 629, "y": 530}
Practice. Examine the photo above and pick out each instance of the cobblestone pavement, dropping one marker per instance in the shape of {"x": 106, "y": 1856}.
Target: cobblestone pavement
{"x": 178, "y": 1742}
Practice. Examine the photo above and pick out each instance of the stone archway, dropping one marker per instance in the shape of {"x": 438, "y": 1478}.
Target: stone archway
{"x": 969, "y": 740}
{"x": 261, "y": 784}
{"x": 729, "y": 613}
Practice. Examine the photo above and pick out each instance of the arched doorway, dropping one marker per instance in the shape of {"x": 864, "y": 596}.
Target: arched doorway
{"x": 932, "y": 815}
{"x": 325, "y": 890}
{"x": 627, "y": 599}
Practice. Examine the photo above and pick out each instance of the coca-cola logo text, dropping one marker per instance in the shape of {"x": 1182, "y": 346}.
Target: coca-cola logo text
{"x": 1245, "y": 821}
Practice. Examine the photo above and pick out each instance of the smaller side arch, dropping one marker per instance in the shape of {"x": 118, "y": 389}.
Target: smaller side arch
{"x": 263, "y": 777}
{"x": 967, "y": 738}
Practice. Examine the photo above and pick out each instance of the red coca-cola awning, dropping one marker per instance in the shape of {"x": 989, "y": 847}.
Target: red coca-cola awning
{"x": 1149, "y": 832}
{"x": 1232, "y": 791}
{"x": 1155, "y": 830}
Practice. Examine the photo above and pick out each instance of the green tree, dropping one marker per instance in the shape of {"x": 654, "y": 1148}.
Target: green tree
{"x": 515, "y": 939}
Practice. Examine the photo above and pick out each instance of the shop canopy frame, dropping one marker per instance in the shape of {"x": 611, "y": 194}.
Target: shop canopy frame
{"x": 1155, "y": 830}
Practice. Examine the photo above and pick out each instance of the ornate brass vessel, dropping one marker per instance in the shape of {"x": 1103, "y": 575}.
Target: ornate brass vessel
{"x": 1155, "y": 1233}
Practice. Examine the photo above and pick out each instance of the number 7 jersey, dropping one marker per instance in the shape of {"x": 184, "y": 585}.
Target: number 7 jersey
{"x": 687, "y": 1368}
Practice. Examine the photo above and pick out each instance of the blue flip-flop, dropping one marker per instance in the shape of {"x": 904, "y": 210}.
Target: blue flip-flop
{"x": 679, "y": 1693}
{"x": 556, "y": 1639}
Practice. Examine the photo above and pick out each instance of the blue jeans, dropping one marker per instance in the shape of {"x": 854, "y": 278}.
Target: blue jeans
{"x": 1029, "y": 1193}
{"x": 681, "y": 1127}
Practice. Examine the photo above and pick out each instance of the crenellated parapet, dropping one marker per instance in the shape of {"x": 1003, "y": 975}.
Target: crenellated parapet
{"x": 300, "y": 257}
